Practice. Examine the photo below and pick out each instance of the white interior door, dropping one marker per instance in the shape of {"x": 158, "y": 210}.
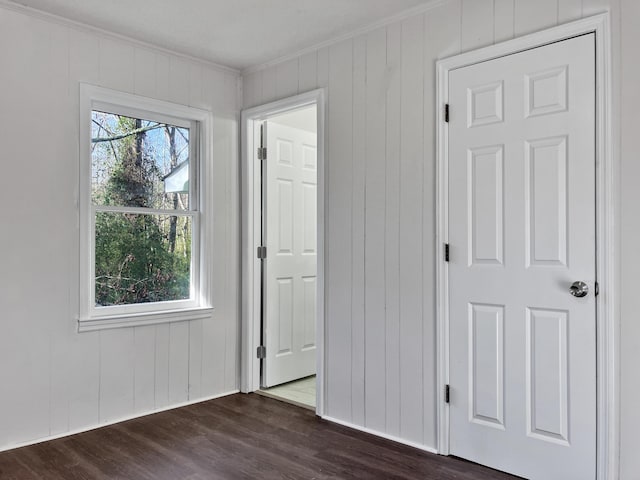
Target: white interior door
{"x": 521, "y": 231}
{"x": 290, "y": 266}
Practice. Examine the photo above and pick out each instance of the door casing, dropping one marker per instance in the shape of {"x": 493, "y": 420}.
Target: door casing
{"x": 251, "y": 228}
{"x": 607, "y": 324}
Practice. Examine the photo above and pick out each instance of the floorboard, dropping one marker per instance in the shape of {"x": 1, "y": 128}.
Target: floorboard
{"x": 235, "y": 437}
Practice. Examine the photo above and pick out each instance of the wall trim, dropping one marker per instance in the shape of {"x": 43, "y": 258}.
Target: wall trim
{"x": 420, "y": 9}
{"x": 113, "y": 422}
{"x": 85, "y": 27}
{"x": 251, "y": 225}
{"x": 393, "y": 438}
{"x": 607, "y": 165}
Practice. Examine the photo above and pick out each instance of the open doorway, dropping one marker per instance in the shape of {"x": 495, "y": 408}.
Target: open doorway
{"x": 289, "y": 268}
{"x": 283, "y": 266}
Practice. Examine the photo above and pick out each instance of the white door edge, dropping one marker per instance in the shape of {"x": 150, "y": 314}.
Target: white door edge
{"x": 250, "y": 177}
{"x": 607, "y": 167}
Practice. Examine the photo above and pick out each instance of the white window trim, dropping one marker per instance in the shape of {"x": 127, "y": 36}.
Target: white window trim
{"x": 200, "y": 305}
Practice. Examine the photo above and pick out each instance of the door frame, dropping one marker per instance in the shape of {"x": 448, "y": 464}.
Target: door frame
{"x": 251, "y": 227}
{"x": 607, "y": 323}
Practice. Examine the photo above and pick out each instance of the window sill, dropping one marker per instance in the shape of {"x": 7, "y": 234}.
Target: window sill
{"x": 92, "y": 324}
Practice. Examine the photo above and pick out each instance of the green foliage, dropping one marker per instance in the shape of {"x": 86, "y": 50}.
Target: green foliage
{"x": 133, "y": 261}
{"x": 138, "y": 257}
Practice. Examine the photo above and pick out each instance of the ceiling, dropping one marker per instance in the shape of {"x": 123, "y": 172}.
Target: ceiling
{"x": 235, "y": 33}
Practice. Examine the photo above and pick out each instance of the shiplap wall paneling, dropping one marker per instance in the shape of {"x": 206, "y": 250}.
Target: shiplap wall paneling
{"x": 269, "y": 84}
{"x": 533, "y": 16}
{"x": 24, "y": 376}
{"x": 569, "y": 10}
{"x": 144, "y": 374}
{"x": 117, "y": 355}
{"x": 60, "y": 380}
{"x": 381, "y": 325}
{"x": 391, "y": 257}
{"x": 412, "y": 190}
{"x": 503, "y": 28}
{"x": 630, "y": 172}
{"x": 358, "y": 198}
{"x": 375, "y": 203}
{"x": 338, "y": 233}
{"x": 477, "y": 23}
{"x": 287, "y": 79}
{"x": 307, "y": 72}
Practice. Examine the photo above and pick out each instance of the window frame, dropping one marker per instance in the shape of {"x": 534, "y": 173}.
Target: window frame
{"x": 199, "y": 305}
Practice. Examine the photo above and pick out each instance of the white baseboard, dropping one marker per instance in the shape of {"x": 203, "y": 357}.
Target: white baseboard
{"x": 112, "y": 422}
{"x": 382, "y": 435}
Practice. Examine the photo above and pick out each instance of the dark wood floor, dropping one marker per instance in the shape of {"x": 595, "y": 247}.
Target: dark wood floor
{"x": 236, "y": 437}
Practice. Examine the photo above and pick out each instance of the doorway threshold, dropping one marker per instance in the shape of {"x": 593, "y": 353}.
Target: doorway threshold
{"x": 301, "y": 393}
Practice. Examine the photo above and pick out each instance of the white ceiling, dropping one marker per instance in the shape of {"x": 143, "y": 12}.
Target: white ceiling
{"x": 235, "y": 33}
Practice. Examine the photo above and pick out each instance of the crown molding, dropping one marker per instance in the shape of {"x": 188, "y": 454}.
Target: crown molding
{"x": 66, "y": 22}
{"x": 420, "y": 9}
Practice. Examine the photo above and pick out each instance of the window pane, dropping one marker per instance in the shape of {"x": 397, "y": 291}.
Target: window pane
{"x": 141, "y": 258}
{"x": 139, "y": 163}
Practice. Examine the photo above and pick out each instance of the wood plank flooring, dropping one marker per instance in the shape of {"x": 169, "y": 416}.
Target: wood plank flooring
{"x": 235, "y": 437}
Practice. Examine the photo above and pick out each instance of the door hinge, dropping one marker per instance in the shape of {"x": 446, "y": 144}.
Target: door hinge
{"x": 446, "y": 252}
{"x": 262, "y": 252}
{"x": 447, "y": 394}
{"x": 446, "y": 113}
{"x": 596, "y": 289}
{"x": 262, "y": 153}
{"x": 261, "y": 352}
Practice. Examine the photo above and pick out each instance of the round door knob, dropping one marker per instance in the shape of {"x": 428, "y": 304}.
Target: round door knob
{"x": 579, "y": 289}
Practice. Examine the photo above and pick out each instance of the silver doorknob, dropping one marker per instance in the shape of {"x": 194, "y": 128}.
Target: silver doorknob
{"x": 579, "y": 289}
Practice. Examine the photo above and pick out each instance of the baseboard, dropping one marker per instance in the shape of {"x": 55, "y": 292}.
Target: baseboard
{"x": 382, "y": 435}
{"x": 112, "y": 422}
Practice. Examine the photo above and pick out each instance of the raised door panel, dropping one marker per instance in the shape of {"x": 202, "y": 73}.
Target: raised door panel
{"x": 547, "y": 375}
{"x": 285, "y": 216}
{"x": 486, "y": 205}
{"x": 309, "y": 220}
{"x": 546, "y": 201}
{"x": 486, "y": 365}
{"x": 284, "y": 316}
{"x": 309, "y": 312}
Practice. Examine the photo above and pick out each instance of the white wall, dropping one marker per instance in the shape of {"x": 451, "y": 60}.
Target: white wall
{"x": 381, "y": 184}
{"x": 630, "y": 240}
{"x": 52, "y": 379}
{"x": 381, "y": 343}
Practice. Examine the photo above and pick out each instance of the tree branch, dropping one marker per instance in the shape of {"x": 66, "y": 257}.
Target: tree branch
{"x": 137, "y": 131}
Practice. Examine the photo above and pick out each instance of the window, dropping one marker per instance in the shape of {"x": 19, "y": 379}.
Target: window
{"x": 145, "y": 193}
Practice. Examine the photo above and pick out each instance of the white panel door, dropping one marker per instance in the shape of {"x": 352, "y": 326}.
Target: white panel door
{"x": 521, "y": 231}
{"x": 290, "y": 266}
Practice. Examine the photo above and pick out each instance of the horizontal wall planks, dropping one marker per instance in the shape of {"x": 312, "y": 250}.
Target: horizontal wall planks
{"x": 60, "y": 380}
